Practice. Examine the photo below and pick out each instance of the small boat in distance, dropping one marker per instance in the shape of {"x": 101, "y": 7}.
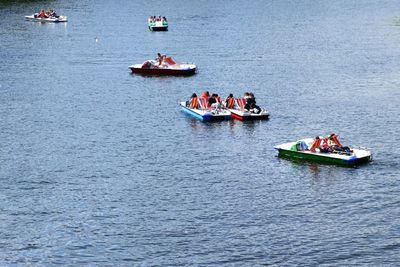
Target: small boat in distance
{"x": 163, "y": 65}
{"x": 48, "y": 16}
{"x": 302, "y": 150}
{"x": 157, "y": 23}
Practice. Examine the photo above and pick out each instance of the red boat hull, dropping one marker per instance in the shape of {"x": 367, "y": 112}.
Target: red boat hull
{"x": 186, "y": 72}
{"x": 248, "y": 118}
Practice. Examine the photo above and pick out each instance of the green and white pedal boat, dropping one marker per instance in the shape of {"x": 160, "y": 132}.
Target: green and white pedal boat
{"x": 158, "y": 25}
{"x": 291, "y": 150}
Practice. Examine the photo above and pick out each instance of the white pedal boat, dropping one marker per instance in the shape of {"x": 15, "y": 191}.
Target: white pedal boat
{"x": 57, "y": 19}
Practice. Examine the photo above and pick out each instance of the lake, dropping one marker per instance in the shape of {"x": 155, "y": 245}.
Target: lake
{"x": 100, "y": 167}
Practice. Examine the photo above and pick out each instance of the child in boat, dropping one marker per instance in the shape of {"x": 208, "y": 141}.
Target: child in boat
{"x": 230, "y": 101}
{"x": 193, "y": 102}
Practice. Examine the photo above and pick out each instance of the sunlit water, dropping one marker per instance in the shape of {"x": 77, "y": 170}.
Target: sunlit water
{"x": 99, "y": 166}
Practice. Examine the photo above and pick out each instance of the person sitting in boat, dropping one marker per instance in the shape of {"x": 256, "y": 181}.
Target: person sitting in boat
{"x": 52, "y": 13}
{"x": 230, "y": 101}
{"x": 205, "y": 95}
{"x": 335, "y": 145}
{"x": 316, "y": 144}
{"x": 160, "y": 58}
{"x": 251, "y": 103}
{"x": 324, "y": 147}
{"x": 42, "y": 14}
{"x": 193, "y": 102}
{"x": 212, "y": 101}
{"x": 164, "y": 18}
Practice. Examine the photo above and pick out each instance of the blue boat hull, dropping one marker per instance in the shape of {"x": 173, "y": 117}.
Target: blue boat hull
{"x": 205, "y": 117}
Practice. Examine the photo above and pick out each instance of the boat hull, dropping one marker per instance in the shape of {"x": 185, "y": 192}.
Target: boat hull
{"x": 172, "y": 72}
{"x": 246, "y": 116}
{"x": 321, "y": 158}
{"x": 158, "y": 28}
{"x": 51, "y": 20}
{"x": 205, "y": 115}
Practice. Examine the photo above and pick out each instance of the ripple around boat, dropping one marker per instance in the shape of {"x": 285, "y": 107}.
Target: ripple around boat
{"x": 35, "y": 17}
{"x": 358, "y": 156}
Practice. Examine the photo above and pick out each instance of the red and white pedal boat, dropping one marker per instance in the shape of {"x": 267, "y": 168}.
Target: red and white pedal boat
{"x": 240, "y": 113}
{"x": 167, "y": 67}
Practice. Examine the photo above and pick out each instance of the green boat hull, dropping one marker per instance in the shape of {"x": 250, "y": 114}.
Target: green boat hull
{"x": 322, "y": 159}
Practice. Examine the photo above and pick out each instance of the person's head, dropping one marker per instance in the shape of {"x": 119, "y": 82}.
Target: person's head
{"x": 251, "y": 95}
{"x": 246, "y": 93}
{"x": 230, "y": 95}
{"x": 158, "y": 54}
{"x": 317, "y": 138}
{"x": 206, "y": 93}
{"x": 194, "y": 95}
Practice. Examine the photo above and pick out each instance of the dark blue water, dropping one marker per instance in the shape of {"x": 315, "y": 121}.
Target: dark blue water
{"x": 100, "y": 167}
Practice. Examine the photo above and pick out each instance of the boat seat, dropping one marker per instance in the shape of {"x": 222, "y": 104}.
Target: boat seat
{"x": 170, "y": 61}
{"x": 241, "y": 102}
{"x": 203, "y": 103}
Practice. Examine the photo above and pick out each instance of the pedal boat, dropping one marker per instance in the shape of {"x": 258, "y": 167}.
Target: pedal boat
{"x": 158, "y": 26}
{"x": 240, "y": 113}
{"x": 205, "y": 113}
{"x": 35, "y": 17}
{"x": 357, "y": 156}
{"x": 169, "y": 67}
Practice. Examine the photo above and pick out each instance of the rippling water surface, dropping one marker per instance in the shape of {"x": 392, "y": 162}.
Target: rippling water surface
{"x": 99, "y": 166}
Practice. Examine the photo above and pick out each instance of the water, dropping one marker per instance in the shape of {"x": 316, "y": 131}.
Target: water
{"x": 100, "y": 167}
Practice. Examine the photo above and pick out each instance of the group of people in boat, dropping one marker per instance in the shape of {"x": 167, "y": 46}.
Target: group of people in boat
{"x": 157, "y": 18}
{"x": 47, "y": 14}
{"x": 329, "y": 144}
{"x": 214, "y": 101}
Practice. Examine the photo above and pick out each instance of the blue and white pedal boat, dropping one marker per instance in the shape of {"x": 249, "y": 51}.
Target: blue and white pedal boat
{"x": 206, "y": 114}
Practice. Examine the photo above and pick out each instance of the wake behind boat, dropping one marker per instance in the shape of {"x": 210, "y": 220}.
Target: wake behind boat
{"x": 163, "y": 65}
{"x": 309, "y": 149}
{"x": 49, "y": 16}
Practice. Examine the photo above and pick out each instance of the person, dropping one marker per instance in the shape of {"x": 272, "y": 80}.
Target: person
{"x": 52, "y": 13}
{"x": 325, "y": 148}
{"x": 212, "y": 101}
{"x": 335, "y": 145}
{"x": 205, "y": 95}
{"x": 160, "y": 58}
{"x": 194, "y": 101}
{"x": 251, "y": 103}
{"x": 230, "y": 101}
{"x": 315, "y": 144}
{"x": 42, "y": 14}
